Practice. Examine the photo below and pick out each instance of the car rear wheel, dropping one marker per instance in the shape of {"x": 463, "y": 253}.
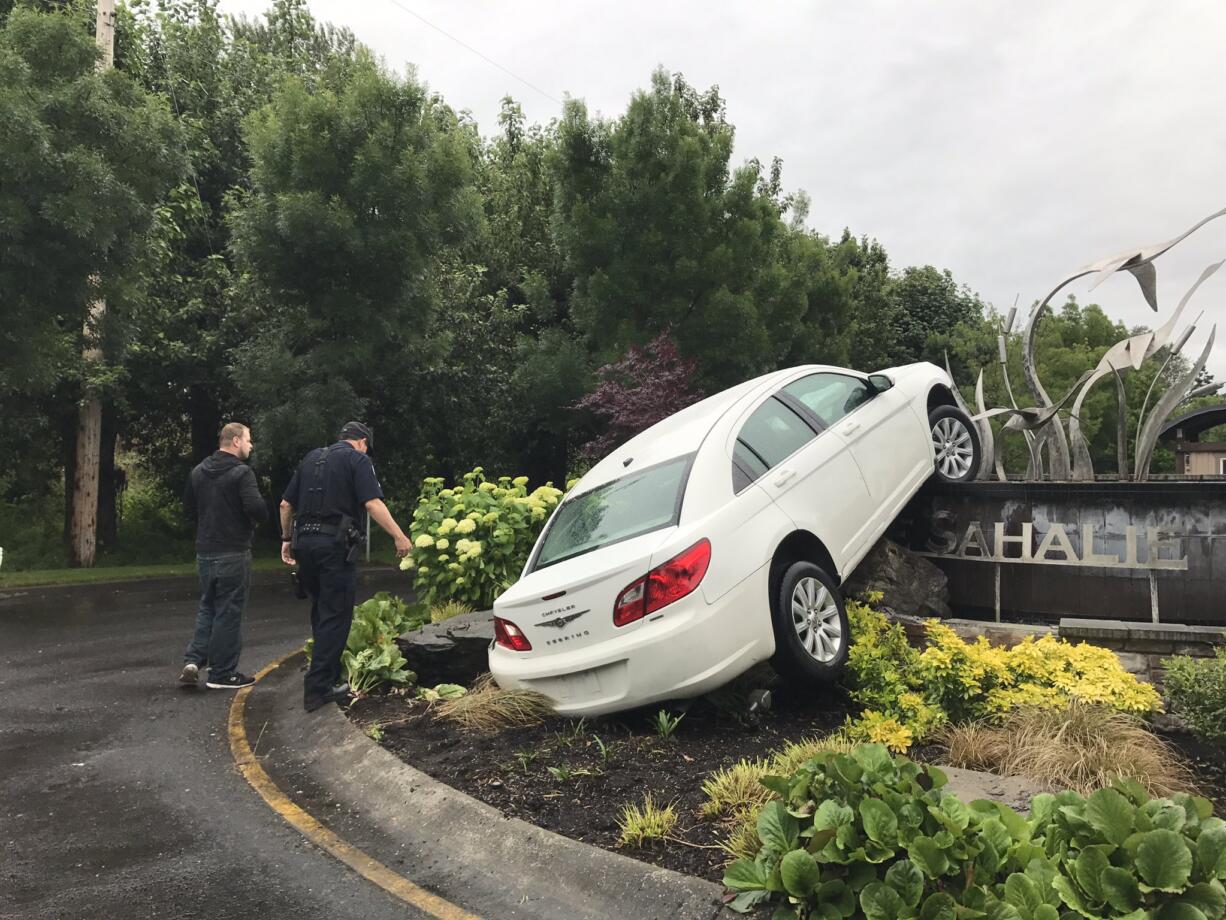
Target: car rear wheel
{"x": 810, "y": 624}
{"x": 955, "y": 444}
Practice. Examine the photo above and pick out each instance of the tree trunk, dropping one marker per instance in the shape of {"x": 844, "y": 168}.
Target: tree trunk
{"x": 83, "y": 538}
{"x": 108, "y": 518}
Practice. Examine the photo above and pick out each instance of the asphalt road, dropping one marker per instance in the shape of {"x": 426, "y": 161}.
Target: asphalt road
{"x": 118, "y": 793}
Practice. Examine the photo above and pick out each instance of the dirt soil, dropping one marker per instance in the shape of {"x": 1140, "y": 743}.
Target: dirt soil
{"x": 574, "y": 777}
{"x": 1208, "y": 765}
{"x": 601, "y": 765}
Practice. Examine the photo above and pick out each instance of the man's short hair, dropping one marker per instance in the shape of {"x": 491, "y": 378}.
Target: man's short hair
{"x": 230, "y": 431}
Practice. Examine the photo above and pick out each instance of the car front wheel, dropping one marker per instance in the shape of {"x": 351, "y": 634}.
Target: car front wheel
{"x": 810, "y": 624}
{"x": 955, "y": 444}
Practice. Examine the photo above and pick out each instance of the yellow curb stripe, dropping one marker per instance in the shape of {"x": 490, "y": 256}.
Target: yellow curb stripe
{"x": 369, "y": 868}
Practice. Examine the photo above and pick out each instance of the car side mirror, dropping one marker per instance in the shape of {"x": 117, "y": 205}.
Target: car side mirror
{"x": 880, "y": 382}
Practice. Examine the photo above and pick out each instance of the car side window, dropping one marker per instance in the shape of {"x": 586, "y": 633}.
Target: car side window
{"x": 830, "y": 396}
{"x": 772, "y": 433}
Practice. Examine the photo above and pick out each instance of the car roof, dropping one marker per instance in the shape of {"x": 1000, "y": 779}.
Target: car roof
{"x": 682, "y": 432}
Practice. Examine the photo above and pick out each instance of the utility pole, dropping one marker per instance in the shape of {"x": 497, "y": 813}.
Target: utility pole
{"x": 84, "y": 536}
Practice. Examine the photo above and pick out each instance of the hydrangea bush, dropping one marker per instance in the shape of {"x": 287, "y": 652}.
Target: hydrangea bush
{"x": 471, "y": 540}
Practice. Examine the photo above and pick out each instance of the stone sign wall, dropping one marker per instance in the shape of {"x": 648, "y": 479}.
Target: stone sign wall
{"x": 1153, "y": 551}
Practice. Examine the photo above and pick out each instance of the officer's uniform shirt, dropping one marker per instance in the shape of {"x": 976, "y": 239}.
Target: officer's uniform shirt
{"x": 349, "y": 483}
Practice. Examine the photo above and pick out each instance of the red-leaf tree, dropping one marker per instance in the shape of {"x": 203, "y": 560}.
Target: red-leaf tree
{"x": 648, "y": 384}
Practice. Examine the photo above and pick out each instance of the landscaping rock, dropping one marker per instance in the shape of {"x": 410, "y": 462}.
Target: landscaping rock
{"x": 452, "y": 652}
{"x": 1014, "y": 791}
{"x": 908, "y": 582}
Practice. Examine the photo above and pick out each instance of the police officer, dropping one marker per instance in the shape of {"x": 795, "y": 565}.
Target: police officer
{"x": 322, "y": 509}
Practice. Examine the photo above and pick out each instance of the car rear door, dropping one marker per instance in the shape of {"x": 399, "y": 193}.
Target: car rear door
{"x": 886, "y": 437}
{"x": 807, "y": 470}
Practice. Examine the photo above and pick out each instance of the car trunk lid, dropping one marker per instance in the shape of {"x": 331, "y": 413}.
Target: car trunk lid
{"x": 569, "y": 605}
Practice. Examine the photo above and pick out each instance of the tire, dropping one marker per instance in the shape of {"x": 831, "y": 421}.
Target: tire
{"x": 955, "y": 444}
{"x": 810, "y": 624}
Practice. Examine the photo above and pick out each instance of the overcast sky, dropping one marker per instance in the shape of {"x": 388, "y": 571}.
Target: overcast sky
{"x": 1007, "y": 142}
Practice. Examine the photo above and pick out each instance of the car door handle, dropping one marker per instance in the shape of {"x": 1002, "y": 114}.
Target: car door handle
{"x": 850, "y": 428}
{"x": 783, "y": 476}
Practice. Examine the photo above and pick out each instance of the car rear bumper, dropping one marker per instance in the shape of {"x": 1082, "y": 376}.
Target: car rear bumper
{"x": 694, "y": 647}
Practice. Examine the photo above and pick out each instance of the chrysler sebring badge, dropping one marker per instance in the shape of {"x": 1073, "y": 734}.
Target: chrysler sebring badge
{"x": 562, "y": 621}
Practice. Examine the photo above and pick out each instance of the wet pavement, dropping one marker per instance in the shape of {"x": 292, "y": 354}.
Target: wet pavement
{"x": 118, "y": 793}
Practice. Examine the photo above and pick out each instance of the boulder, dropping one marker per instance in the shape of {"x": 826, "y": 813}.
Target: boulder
{"x": 452, "y": 652}
{"x": 909, "y": 583}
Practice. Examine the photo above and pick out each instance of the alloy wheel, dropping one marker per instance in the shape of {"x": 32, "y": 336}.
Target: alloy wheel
{"x": 951, "y": 441}
{"x": 816, "y": 618}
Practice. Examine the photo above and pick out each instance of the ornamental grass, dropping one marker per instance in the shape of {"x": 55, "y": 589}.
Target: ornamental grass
{"x": 650, "y": 822}
{"x": 1082, "y": 746}
{"x": 488, "y": 707}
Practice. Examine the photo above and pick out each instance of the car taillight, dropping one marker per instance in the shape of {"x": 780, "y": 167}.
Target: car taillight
{"x": 508, "y": 635}
{"x": 668, "y": 582}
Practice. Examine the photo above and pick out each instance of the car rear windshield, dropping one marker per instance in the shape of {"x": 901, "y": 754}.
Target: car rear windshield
{"x": 628, "y": 507}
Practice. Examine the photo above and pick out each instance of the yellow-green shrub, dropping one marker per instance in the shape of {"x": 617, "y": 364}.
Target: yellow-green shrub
{"x": 470, "y": 541}
{"x": 908, "y": 694}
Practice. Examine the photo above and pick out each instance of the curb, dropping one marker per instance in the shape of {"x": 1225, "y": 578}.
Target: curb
{"x": 457, "y": 850}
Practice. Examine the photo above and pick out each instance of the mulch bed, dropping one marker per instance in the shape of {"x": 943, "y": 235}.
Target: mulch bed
{"x": 510, "y": 769}
{"x": 1208, "y": 765}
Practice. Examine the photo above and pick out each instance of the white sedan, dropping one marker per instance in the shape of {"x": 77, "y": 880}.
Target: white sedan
{"x": 718, "y": 538}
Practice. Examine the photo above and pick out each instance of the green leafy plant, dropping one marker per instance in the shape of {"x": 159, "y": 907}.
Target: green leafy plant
{"x": 667, "y": 724}
{"x": 573, "y": 732}
{"x": 470, "y": 541}
{"x": 648, "y": 822}
{"x": 870, "y": 835}
{"x": 1197, "y": 688}
{"x": 441, "y": 692}
{"x": 525, "y": 759}
{"x": 375, "y": 732}
{"x": 371, "y": 657}
{"x": 606, "y": 751}
{"x": 565, "y": 773}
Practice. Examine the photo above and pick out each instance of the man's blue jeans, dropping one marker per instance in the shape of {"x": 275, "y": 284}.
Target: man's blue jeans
{"x": 225, "y": 581}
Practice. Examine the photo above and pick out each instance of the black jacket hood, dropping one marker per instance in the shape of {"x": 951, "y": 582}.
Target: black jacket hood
{"x": 218, "y": 463}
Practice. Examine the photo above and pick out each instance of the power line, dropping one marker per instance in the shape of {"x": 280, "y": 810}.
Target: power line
{"x": 469, "y": 47}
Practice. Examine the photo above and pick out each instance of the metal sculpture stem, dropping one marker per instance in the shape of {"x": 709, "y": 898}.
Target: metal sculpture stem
{"x": 1053, "y": 433}
{"x": 1152, "y": 426}
{"x": 1121, "y": 428}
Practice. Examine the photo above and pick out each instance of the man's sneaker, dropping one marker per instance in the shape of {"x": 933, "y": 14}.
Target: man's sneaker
{"x": 229, "y": 682}
{"x": 190, "y": 674}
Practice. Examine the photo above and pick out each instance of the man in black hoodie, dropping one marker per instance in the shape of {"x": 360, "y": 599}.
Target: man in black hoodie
{"x": 222, "y": 495}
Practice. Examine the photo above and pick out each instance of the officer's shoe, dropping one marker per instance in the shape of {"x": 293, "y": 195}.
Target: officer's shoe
{"x": 229, "y": 682}
{"x": 339, "y": 694}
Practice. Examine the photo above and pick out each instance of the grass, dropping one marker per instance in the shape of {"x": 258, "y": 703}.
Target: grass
{"x": 487, "y": 707}
{"x": 737, "y": 788}
{"x": 735, "y": 795}
{"x": 650, "y": 822}
{"x": 37, "y": 578}
{"x": 1082, "y": 747}
{"x": 447, "y": 610}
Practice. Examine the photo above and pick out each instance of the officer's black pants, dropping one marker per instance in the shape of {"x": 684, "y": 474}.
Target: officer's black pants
{"x": 331, "y": 582}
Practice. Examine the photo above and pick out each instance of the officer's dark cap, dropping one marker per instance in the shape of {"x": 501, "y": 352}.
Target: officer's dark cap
{"x": 356, "y": 431}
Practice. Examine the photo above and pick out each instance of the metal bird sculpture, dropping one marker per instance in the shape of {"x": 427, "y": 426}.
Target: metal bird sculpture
{"x": 1121, "y": 357}
{"x": 1138, "y": 262}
